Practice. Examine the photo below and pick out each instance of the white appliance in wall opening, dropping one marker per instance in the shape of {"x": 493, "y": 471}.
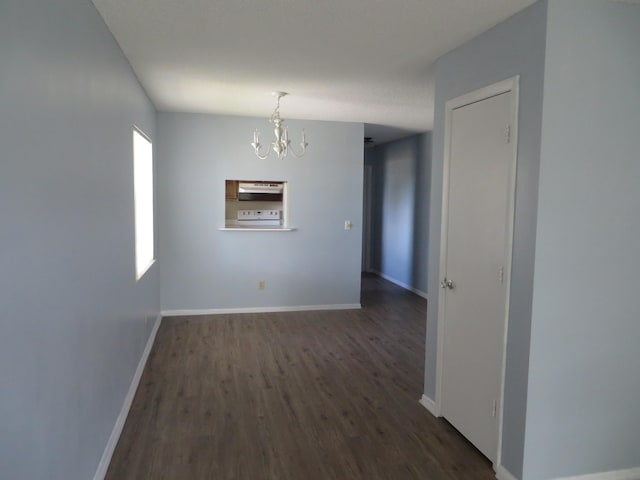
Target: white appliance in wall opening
{"x": 260, "y": 191}
{"x": 247, "y": 218}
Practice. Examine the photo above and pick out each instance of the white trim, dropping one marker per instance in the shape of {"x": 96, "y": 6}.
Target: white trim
{"x": 511, "y": 214}
{"x": 503, "y": 474}
{"x": 257, "y": 229}
{"x": 103, "y": 466}
{"x": 509, "y": 85}
{"x": 430, "y": 405}
{"x": 628, "y": 474}
{"x": 223, "y": 311}
{"x": 420, "y": 293}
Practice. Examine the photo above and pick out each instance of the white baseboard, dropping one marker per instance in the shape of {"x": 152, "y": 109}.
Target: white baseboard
{"x": 223, "y": 311}
{"x": 430, "y": 405}
{"x": 628, "y": 474}
{"x": 504, "y": 474}
{"x": 126, "y": 406}
{"x": 420, "y": 293}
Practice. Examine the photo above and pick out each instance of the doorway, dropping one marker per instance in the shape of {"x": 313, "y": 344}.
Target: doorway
{"x": 367, "y": 218}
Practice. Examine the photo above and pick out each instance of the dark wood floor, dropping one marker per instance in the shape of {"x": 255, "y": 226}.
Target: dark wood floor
{"x": 297, "y": 396}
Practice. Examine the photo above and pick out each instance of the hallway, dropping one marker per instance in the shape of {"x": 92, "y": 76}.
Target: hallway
{"x": 296, "y": 395}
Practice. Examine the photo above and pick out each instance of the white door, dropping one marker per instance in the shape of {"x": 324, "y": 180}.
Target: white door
{"x": 476, "y": 263}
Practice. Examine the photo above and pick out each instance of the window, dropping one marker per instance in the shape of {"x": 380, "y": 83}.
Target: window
{"x": 143, "y": 201}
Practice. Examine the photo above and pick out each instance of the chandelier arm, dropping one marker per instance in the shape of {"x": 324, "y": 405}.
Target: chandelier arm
{"x": 303, "y": 144}
{"x": 256, "y": 149}
{"x": 293, "y": 152}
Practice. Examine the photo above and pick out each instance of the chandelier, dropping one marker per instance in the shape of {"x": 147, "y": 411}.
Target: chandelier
{"x": 281, "y": 145}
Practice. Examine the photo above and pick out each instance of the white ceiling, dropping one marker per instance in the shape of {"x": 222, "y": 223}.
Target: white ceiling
{"x": 364, "y": 61}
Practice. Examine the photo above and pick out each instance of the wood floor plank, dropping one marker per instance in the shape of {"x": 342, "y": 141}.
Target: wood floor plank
{"x": 298, "y": 395}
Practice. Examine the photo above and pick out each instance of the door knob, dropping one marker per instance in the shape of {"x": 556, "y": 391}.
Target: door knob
{"x": 447, "y": 284}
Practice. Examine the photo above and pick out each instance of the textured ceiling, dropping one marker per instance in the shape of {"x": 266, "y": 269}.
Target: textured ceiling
{"x": 364, "y": 61}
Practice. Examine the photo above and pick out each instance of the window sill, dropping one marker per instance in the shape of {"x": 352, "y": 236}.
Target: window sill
{"x": 255, "y": 228}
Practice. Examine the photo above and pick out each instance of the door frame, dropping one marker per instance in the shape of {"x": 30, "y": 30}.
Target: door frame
{"x": 512, "y": 85}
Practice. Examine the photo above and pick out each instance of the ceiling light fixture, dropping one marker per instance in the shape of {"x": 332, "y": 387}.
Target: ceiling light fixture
{"x": 282, "y": 143}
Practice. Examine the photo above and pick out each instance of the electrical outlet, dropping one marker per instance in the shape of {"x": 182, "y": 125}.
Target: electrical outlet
{"x": 260, "y": 284}
{"x": 347, "y": 224}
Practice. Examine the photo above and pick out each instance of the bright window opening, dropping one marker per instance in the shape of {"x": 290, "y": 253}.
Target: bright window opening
{"x": 143, "y": 201}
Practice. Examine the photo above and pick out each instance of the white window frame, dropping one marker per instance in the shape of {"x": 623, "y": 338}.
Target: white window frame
{"x": 143, "y": 196}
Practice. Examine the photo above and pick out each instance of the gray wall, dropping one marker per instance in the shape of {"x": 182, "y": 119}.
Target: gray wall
{"x": 401, "y": 209}
{"x": 515, "y": 47}
{"x": 73, "y": 321}
{"x": 205, "y": 268}
{"x": 584, "y": 386}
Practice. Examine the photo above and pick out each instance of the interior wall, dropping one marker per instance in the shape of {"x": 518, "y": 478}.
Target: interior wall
{"x": 73, "y": 320}
{"x": 514, "y": 47}
{"x": 401, "y": 210}
{"x": 582, "y": 414}
{"x": 204, "y": 268}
